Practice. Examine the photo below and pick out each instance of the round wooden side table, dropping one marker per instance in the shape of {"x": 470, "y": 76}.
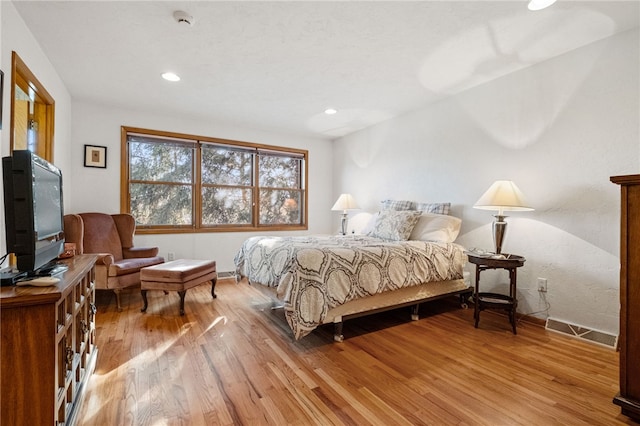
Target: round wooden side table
{"x": 486, "y": 300}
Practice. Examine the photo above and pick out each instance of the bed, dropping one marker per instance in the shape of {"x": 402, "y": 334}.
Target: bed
{"x": 328, "y": 279}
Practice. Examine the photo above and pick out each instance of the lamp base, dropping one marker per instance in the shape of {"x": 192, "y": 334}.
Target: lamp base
{"x": 499, "y": 231}
{"x": 343, "y": 224}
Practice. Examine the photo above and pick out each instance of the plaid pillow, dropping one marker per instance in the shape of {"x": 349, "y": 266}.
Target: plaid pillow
{"x": 398, "y": 205}
{"x": 437, "y": 208}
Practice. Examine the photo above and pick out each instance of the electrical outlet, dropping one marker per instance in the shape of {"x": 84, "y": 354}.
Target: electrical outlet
{"x": 542, "y": 285}
{"x": 171, "y": 255}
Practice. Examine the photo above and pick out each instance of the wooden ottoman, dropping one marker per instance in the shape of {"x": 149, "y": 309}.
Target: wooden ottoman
{"x": 178, "y": 275}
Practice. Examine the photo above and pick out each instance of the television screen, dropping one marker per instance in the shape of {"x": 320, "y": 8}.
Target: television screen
{"x": 34, "y": 210}
{"x": 47, "y": 202}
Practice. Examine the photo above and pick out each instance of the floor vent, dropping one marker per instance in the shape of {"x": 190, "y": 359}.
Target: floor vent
{"x": 227, "y": 274}
{"x": 583, "y": 333}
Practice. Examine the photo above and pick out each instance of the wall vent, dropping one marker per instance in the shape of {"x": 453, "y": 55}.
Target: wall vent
{"x": 226, "y": 274}
{"x": 582, "y": 333}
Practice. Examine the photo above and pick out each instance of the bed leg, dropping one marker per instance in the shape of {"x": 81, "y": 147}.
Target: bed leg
{"x": 463, "y": 299}
{"x": 414, "y": 312}
{"x": 337, "y": 332}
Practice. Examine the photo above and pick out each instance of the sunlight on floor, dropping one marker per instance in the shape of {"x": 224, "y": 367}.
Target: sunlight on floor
{"x": 219, "y": 321}
{"x": 147, "y": 357}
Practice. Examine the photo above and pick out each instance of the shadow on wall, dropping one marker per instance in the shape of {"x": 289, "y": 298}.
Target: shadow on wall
{"x": 363, "y": 151}
{"x": 521, "y": 115}
{"x": 589, "y": 212}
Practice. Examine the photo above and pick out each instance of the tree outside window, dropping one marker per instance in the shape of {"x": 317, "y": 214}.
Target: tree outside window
{"x": 182, "y": 183}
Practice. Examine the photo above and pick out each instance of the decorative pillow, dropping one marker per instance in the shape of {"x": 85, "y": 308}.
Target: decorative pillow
{"x": 436, "y": 227}
{"x": 394, "y": 225}
{"x": 398, "y": 205}
{"x": 438, "y": 208}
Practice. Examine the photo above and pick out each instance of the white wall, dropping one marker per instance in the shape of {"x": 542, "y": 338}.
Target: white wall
{"x": 15, "y": 36}
{"x": 99, "y": 189}
{"x": 559, "y": 129}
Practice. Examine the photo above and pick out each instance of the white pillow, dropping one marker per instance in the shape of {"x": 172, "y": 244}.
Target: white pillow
{"x": 361, "y": 223}
{"x": 436, "y": 227}
{"x": 395, "y": 225}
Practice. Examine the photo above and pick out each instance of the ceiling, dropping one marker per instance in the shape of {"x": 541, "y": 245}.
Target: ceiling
{"x": 279, "y": 65}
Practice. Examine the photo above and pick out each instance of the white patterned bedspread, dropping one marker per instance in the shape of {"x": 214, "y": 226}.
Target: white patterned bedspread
{"x": 314, "y": 274}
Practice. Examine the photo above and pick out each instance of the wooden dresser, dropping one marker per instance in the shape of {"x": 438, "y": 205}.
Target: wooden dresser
{"x": 629, "y": 340}
{"x": 48, "y": 347}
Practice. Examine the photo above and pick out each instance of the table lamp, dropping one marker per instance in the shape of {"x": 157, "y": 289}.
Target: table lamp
{"x": 345, "y": 202}
{"x": 502, "y": 195}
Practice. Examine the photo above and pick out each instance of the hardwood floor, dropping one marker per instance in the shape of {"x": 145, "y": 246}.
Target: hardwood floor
{"x": 232, "y": 360}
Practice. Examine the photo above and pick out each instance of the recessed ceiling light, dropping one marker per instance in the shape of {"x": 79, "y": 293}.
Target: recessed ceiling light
{"x": 169, "y": 76}
{"x": 330, "y": 111}
{"x": 539, "y": 4}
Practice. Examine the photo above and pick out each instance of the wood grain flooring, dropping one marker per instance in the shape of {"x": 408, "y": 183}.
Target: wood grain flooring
{"x": 232, "y": 361}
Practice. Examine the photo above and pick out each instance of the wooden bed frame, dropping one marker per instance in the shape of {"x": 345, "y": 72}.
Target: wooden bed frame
{"x": 408, "y": 296}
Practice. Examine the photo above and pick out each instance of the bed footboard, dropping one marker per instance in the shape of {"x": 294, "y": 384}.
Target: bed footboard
{"x": 338, "y": 320}
{"x": 409, "y": 296}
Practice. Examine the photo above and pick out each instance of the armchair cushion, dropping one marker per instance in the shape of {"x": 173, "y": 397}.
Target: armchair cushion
{"x": 130, "y": 266}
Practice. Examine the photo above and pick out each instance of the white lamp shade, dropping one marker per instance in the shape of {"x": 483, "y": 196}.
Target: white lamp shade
{"x": 539, "y": 4}
{"x": 503, "y": 195}
{"x": 345, "y": 202}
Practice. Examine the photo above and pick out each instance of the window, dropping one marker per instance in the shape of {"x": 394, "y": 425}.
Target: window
{"x": 182, "y": 183}
{"x": 32, "y": 112}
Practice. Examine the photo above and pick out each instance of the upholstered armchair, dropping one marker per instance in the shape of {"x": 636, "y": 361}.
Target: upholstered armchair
{"x": 110, "y": 236}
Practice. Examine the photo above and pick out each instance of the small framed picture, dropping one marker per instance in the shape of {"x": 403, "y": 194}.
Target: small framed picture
{"x": 95, "y": 156}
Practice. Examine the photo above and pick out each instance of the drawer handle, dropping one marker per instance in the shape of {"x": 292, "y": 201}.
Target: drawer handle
{"x": 84, "y": 327}
{"x": 92, "y": 311}
{"x": 69, "y": 358}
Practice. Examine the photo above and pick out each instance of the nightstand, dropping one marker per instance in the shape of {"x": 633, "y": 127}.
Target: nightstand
{"x": 485, "y": 300}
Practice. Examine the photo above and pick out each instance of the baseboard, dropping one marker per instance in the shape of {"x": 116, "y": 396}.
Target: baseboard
{"x": 583, "y": 333}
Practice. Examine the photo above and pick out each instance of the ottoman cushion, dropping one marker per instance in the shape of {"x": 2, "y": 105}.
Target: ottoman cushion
{"x": 178, "y": 271}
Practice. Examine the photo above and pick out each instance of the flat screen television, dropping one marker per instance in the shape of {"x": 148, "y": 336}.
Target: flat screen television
{"x": 34, "y": 211}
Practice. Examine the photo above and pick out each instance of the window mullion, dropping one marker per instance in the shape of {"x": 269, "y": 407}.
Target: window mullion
{"x": 197, "y": 187}
{"x": 256, "y": 191}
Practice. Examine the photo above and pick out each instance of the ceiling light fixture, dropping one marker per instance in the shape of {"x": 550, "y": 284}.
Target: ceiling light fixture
{"x": 539, "y": 4}
{"x": 169, "y": 76}
{"x": 183, "y": 18}
{"x": 330, "y": 111}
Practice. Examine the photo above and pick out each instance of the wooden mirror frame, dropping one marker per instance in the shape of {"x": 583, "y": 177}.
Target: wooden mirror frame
{"x": 22, "y": 76}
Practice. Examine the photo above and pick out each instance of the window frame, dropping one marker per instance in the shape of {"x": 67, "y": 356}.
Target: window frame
{"x": 43, "y": 115}
{"x": 197, "y": 185}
